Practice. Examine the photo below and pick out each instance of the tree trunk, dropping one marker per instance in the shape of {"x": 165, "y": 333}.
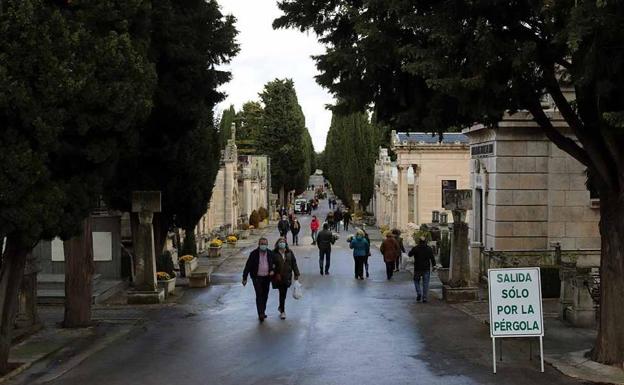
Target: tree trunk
{"x": 79, "y": 269}
{"x": 13, "y": 262}
{"x": 282, "y": 196}
{"x": 609, "y": 347}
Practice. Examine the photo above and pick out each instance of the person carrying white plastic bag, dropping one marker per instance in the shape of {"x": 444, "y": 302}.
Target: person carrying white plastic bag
{"x": 297, "y": 290}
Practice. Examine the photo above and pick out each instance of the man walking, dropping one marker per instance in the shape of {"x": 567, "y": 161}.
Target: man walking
{"x": 283, "y": 226}
{"x": 346, "y": 218}
{"x": 423, "y": 261}
{"x": 295, "y": 227}
{"x": 325, "y": 240}
{"x": 337, "y": 219}
{"x": 260, "y": 266}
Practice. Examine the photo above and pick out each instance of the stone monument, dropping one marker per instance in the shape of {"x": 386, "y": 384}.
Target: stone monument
{"x": 461, "y": 286}
{"x": 145, "y": 204}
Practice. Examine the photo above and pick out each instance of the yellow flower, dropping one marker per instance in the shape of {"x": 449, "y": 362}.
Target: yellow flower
{"x": 186, "y": 258}
{"x": 216, "y": 243}
{"x": 231, "y": 239}
{"x": 162, "y": 276}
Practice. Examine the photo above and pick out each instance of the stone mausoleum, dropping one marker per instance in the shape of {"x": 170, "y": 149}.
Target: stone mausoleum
{"x": 409, "y": 189}
{"x": 532, "y": 207}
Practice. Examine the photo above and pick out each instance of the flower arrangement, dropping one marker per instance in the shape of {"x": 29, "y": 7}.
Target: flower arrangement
{"x": 216, "y": 243}
{"x": 186, "y": 258}
{"x": 162, "y": 276}
{"x": 231, "y": 238}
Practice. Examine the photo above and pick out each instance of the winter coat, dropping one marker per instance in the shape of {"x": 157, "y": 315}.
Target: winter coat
{"x": 390, "y": 249}
{"x": 285, "y": 266}
{"x": 325, "y": 239}
{"x": 283, "y": 226}
{"x": 423, "y": 257}
{"x": 253, "y": 262}
{"x": 315, "y": 224}
{"x": 346, "y": 217}
{"x": 360, "y": 247}
{"x": 338, "y": 216}
{"x": 295, "y": 227}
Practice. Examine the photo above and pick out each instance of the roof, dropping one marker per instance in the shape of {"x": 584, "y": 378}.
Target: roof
{"x": 425, "y": 138}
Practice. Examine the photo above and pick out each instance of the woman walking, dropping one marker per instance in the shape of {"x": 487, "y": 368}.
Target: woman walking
{"x": 391, "y": 250}
{"x": 360, "y": 247}
{"x": 295, "y": 227}
{"x": 285, "y": 265}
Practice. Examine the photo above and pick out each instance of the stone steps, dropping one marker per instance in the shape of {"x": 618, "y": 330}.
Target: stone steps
{"x": 51, "y": 289}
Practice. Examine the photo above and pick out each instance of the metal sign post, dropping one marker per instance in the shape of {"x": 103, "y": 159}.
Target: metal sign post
{"x": 515, "y": 306}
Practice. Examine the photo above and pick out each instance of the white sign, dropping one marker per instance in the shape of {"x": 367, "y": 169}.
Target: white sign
{"x": 57, "y": 250}
{"x": 516, "y": 306}
{"x": 515, "y": 302}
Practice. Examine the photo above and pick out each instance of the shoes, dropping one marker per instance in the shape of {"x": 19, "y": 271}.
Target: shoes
{"x": 396, "y": 270}
{"x": 326, "y": 272}
{"x": 321, "y": 272}
{"x": 418, "y": 298}
{"x": 367, "y": 275}
{"x": 282, "y": 315}
{"x": 424, "y": 300}
{"x": 262, "y": 317}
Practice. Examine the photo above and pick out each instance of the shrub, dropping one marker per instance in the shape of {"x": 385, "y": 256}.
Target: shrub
{"x": 189, "y": 246}
{"x": 263, "y": 213}
{"x": 254, "y": 219}
{"x": 164, "y": 263}
{"x": 445, "y": 250}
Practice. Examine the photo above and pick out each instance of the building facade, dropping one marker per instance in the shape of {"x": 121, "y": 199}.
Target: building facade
{"x": 409, "y": 189}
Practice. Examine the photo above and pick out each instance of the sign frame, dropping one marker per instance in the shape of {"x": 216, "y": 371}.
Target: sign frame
{"x": 540, "y": 310}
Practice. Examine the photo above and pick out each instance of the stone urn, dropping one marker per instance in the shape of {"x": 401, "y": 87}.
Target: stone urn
{"x": 443, "y": 274}
{"x": 168, "y": 285}
{"x": 214, "y": 251}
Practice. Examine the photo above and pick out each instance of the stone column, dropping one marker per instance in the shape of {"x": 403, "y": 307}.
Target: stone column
{"x": 145, "y": 203}
{"x": 402, "y": 206}
{"x": 416, "y": 200}
{"x": 27, "y": 315}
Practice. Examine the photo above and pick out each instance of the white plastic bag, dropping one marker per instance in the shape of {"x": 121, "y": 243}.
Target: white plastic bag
{"x": 297, "y": 290}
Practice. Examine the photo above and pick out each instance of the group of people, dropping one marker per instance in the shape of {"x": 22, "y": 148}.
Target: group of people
{"x": 267, "y": 268}
{"x": 278, "y": 266}
{"x": 337, "y": 218}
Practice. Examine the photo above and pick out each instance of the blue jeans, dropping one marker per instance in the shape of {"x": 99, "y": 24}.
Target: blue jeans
{"x": 424, "y": 275}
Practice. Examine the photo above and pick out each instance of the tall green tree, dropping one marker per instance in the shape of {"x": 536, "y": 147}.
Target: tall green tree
{"x": 350, "y": 156}
{"x": 441, "y": 64}
{"x": 249, "y": 120}
{"x": 282, "y": 136}
{"x": 179, "y": 146}
{"x": 225, "y": 124}
{"x": 74, "y": 83}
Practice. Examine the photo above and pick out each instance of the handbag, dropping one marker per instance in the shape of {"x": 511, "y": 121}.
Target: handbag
{"x": 297, "y": 291}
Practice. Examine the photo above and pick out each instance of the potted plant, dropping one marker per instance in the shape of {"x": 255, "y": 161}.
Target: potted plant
{"x": 214, "y": 248}
{"x": 231, "y": 240}
{"x": 188, "y": 263}
{"x": 166, "y": 282}
{"x": 244, "y": 231}
{"x": 263, "y": 218}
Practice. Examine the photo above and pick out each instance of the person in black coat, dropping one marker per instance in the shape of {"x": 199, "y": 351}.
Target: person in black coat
{"x": 285, "y": 267}
{"x": 423, "y": 262}
{"x": 261, "y": 266}
{"x": 283, "y": 226}
{"x": 324, "y": 240}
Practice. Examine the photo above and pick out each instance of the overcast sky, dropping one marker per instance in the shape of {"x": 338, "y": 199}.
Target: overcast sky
{"x": 267, "y": 54}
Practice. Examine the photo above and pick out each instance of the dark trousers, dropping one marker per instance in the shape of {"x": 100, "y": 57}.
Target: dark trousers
{"x": 324, "y": 256}
{"x": 346, "y": 225}
{"x": 295, "y": 239}
{"x": 359, "y": 266}
{"x": 366, "y": 264}
{"x": 397, "y": 263}
{"x": 283, "y": 290}
{"x": 261, "y": 286}
{"x": 390, "y": 269}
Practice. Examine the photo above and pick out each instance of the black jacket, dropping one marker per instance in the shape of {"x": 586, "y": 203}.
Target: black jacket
{"x": 251, "y": 267}
{"x": 285, "y": 267}
{"x": 283, "y": 226}
{"x": 423, "y": 257}
{"x": 346, "y": 217}
{"x": 325, "y": 239}
{"x": 295, "y": 227}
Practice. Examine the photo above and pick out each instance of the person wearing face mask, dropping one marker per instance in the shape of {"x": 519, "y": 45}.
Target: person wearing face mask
{"x": 261, "y": 266}
{"x": 283, "y": 226}
{"x": 295, "y": 227}
{"x": 360, "y": 247}
{"x": 285, "y": 266}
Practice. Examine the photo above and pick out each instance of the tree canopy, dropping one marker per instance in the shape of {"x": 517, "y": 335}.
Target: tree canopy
{"x": 349, "y": 156}
{"x": 179, "y": 145}
{"x": 439, "y": 64}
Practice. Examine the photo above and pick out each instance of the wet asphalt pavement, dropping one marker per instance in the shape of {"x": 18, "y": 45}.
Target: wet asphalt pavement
{"x": 342, "y": 332}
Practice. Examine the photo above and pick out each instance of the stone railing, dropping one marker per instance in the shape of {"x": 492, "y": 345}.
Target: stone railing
{"x": 579, "y": 274}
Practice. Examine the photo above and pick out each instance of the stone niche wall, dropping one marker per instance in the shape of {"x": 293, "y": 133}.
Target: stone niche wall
{"x": 533, "y": 193}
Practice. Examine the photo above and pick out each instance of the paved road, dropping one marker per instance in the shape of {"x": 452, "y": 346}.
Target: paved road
{"x": 342, "y": 332}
